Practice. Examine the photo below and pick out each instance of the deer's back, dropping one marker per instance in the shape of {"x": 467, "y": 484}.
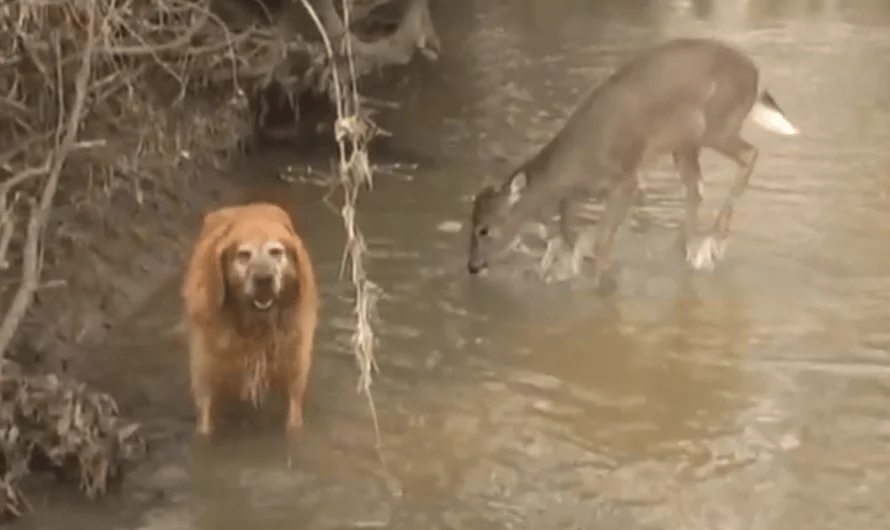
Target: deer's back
{"x": 637, "y": 107}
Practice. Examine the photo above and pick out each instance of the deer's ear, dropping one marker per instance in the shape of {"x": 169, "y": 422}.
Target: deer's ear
{"x": 516, "y": 186}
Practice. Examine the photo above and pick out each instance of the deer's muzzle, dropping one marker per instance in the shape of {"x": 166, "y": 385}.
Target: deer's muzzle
{"x": 475, "y": 267}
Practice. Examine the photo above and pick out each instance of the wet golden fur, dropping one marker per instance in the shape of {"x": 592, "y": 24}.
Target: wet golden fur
{"x": 236, "y": 351}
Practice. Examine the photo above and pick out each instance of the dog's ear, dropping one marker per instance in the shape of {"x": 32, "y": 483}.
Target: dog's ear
{"x": 304, "y": 287}
{"x": 296, "y": 250}
{"x": 204, "y": 289}
{"x": 278, "y": 215}
{"x": 215, "y": 219}
{"x": 292, "y": 242}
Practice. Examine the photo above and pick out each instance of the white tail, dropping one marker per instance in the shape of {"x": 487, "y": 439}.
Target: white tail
{"x": 772, "y": 119}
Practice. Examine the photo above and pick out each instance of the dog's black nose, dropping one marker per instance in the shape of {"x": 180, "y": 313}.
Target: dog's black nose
{"x": 263, "y": 282}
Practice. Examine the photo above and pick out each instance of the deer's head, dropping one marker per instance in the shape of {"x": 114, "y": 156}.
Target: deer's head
{"x": 490, "y": 232}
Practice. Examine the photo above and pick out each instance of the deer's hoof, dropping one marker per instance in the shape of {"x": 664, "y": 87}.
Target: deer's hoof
{"x": 554, "y": 249}
{"x": 606, "y": 284}
{"x": 705, "y": 254}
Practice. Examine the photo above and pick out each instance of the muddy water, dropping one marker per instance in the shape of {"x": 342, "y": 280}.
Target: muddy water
{"x": 754, "y": 397}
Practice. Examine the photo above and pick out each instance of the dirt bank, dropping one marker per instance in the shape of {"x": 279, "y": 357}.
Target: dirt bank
{"x": 107, "y": 263}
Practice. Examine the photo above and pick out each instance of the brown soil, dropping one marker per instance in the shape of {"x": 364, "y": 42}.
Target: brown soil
{"x": 106, "y": 263}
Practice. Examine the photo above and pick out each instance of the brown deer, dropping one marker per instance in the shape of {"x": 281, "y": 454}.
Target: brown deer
{"x": 676, "y": 98}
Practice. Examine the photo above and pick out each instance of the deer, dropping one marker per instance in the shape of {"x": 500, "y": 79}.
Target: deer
{"x": 675, "y": 98}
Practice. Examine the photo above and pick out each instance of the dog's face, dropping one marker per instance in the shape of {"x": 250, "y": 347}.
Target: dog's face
{"x": 488, "y": 235}
{"x": 258, "y": 271}
{"x": 248, "y": 258}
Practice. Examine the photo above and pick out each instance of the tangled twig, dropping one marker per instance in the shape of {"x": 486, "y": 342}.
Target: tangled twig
{"x": 352, "y": 132}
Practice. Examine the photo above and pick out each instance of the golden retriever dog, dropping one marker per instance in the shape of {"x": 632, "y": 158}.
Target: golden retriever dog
{"x": 251, "y": 306}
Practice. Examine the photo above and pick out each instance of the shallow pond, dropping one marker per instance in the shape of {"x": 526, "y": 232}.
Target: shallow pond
{"x": 754, "y": 397}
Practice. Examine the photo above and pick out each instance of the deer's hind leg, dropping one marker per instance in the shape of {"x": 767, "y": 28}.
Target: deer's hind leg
{"x": 713, "y": 247}
{"x": 686, "y": 159}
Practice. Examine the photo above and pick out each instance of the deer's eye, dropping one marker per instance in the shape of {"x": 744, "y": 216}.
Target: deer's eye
{"x": 483, "y": 231}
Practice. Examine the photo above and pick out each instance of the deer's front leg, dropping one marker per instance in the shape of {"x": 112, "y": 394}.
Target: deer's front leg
{"x": 618, "y": 204}
{"x": 569, "y": 210}
{"x": 567, "y": 244}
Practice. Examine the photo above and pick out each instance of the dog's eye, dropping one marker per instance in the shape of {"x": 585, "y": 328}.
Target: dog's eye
{"x": 276, "y": 252}
{"x": 242, "y": 255}
{"x": 483, "y": 231}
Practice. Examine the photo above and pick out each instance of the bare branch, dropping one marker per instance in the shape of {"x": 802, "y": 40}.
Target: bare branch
{"x": 31, "y": 261}
{"x": 30, "y": 279}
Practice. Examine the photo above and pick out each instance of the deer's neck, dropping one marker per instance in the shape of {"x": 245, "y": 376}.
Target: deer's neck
{"x": 536, "y": 196}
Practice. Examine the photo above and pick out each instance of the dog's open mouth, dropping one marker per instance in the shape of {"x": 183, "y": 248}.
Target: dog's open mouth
{"x": 263, "y": 305}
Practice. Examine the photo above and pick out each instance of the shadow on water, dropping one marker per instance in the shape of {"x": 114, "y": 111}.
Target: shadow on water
{"x": 754, "y": 397}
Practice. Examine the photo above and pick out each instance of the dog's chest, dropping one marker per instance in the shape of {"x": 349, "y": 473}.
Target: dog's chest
{"x": 258, "y": 363}
{"x": 270, "y": 346}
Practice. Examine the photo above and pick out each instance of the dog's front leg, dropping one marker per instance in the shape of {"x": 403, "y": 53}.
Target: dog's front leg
{"x": 201, "y": 386}
{"x": 295, "y": 407}
{"x": 300, "y": 376}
